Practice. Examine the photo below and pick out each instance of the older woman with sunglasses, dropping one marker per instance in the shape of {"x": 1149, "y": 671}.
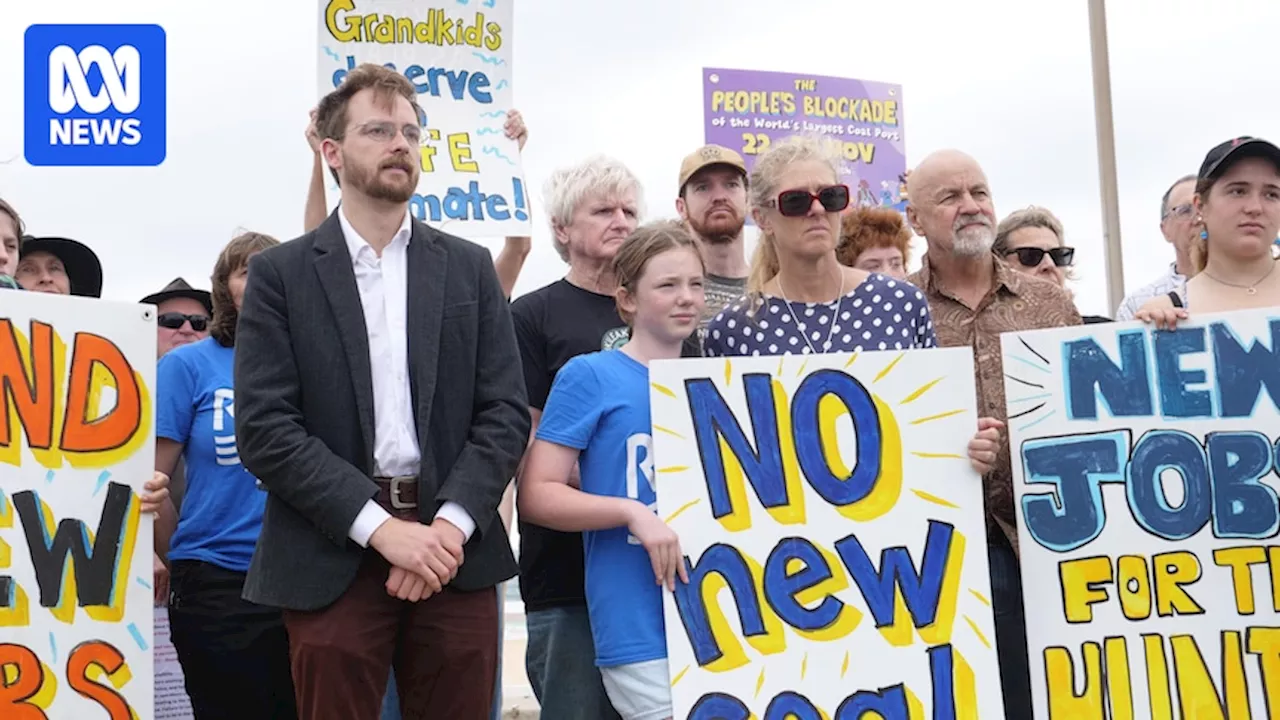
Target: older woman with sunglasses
{"x": 1031, "y": 241}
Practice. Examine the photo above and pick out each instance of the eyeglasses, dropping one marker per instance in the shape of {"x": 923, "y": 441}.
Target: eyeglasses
{"x": 174, "y": 321}
{"x": 1183, "y": 210}
{"x": 794, "y": 203}
{"x": 385, "y": 132}
{"x": 1031, "y": 256}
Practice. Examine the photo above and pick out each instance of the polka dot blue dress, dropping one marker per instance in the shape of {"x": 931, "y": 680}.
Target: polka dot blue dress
{"x": 880, "y": 314}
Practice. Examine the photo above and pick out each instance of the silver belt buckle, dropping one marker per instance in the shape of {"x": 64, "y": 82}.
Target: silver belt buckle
{"x": 396, "y": 502}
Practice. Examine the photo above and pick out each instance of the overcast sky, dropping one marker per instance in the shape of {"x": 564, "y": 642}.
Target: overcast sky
{"x": 1008, "y": 82}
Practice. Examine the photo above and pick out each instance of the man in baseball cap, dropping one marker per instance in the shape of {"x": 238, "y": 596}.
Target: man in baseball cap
{"x": 712, "y": 202}
{"x": 183, "y": 314}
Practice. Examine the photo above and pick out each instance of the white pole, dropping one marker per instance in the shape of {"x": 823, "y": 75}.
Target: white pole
{"x": 1106, "y": 153}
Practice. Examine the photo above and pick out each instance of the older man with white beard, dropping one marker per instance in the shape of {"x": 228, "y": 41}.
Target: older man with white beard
{"x": 974, "y": 297}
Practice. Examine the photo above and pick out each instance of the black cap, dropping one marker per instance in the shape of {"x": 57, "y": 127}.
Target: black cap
{"x": 1223, "y": 156}
{"x": 83, "y": 268}
{"x": 179, "y": 288}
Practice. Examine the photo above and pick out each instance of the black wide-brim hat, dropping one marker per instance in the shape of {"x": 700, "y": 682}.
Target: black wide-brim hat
{"x": 84, "y": 270}
{"x": 179, "y": 288}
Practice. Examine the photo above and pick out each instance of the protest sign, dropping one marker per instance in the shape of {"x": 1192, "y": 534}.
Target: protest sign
{"x": 1143, "y": 470}
{"x": 76, "y": 446}
{"x": 747, "y": 111}
{"x": 834, "y": 534}
{"x": 458, "y": 57}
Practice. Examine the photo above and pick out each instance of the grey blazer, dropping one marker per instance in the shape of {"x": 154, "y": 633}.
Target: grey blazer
{"x": 304, "y": 407}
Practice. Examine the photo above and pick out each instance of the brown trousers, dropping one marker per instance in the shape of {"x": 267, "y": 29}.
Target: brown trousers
{"x": 444, "y": 650}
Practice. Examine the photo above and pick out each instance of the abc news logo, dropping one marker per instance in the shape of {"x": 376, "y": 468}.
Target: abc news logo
{"x": 95, "y": 95}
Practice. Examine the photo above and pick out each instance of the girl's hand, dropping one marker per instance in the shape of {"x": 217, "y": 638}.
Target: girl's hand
{"x": 1160, "y": 311}
{"x": 662, "y": 544}
{"x": 515, "y": 129}
{"x": 157, "y": 492}
{"x": 985, "y": 444}
{"x": 313, "y": 135}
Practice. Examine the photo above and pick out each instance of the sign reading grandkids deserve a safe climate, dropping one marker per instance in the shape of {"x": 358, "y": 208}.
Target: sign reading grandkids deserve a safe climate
{"x": 76, "y": 446}
{"x": 834, "y": 534}
{"x": 458, "y": 57}
{"x": 1145, "y": 471}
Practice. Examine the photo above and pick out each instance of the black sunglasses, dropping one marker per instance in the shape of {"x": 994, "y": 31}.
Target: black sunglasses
{"x": 1031, "y": 256}
{"x": 174, "y": 320}
{"x": 794, "y": 203}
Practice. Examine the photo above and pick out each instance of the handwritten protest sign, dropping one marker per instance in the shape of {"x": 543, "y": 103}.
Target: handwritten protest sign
{"x": 458, "y": 57}
{"x": 748, "y": 111}
{"x": 834, "y": 535}
{"x": 76, "y": 446}
{"x": 1144, "y": 471}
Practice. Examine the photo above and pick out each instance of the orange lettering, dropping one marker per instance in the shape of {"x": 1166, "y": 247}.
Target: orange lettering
{"x": 31, "y": 387}
{"x": 102, "y": 655}
{"x": 22, "y": 665}
{"x": 83, "y": 434}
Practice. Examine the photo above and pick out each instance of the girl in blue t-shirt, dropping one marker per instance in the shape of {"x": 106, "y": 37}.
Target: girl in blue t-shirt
{"x": 597, "y": 419}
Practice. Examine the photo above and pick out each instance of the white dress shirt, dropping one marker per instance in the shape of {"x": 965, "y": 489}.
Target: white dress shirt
{"x": 383, "y": 284}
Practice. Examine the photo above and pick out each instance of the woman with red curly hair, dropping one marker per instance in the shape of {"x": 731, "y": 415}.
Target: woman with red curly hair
{"x": 875, "y": 239}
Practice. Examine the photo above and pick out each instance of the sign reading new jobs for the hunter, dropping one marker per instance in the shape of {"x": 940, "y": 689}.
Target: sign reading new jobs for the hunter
{"x": 1145, "y": 471}
{"x": 834, "y": 534}
{"x": 76, "y": 446}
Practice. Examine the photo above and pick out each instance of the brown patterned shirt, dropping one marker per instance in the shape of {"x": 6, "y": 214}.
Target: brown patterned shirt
{"x": 1016, "y": 302}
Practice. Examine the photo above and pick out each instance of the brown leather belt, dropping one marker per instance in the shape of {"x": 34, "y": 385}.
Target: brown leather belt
{"x": 398, "y": 493}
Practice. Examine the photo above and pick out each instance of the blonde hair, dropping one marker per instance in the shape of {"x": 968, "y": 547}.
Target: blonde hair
{"x": 765, "y": 176}
{"x": 644, "y": 244}
{"x": 1032, "y": 216}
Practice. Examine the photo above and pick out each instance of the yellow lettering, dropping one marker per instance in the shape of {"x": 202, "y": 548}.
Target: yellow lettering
{"x": 1133, "y": 585}
{"x": 1197, "y": 694}
{"x": 1078, "y": 579}
{"x": 1173, "y": 571}
{"x": 1241, "y": 560}
{"x": 1161, "y": 697}
{"x": 1119, "y": 685}
{"x": 460, "y": 153}
{"x": 346, "y": 32}
{"x": 1064, "y": 702}
{"x": 1265, "y": 643}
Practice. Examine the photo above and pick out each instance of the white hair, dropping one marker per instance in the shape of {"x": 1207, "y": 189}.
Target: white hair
{"x": 569, "y": 187}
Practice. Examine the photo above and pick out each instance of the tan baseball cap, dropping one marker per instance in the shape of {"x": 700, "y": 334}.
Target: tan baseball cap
{"x": 707, "y": 156}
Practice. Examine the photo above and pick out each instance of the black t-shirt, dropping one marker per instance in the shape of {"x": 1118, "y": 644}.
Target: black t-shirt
{"x": 554, "y": 325}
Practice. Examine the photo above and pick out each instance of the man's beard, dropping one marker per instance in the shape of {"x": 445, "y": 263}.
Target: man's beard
{"x": 369, "y": 180}
{"x": 718, "y": 231}
{"x": 974, "y": 240}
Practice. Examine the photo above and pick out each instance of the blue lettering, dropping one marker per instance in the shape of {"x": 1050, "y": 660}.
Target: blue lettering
{"x": 1176, "y": 401}
{"x": 459, "y": 204}
{"x": 942, "y": 677}
{"x": 713, "y": 421}
{"x": 790, "y": 705}
{"x": 781, "y": 587}
{"x": 478, "y": 88}
{"x": 691, "y": 602}
{"x": 1155, "y": 452}
{"x": 920, "y": 590}
{"x": 889, "y": 704}
{"x": 1241, "y": 374}
{"x": 1125, "y": 389}
{"x": 413, "y": 72}
{"x": 496, "y": 206}
{"x": 1072, "y": 514}
{"x": 866, "y": 424}
{"x": 719, "y": 706}
{"x": 1243, "y": 507}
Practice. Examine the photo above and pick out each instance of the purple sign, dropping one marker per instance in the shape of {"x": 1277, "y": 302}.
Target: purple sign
{"x": 747, "y": 111}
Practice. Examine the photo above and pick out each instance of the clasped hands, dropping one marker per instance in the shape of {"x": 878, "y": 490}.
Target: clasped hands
{"x": 424, "y": 558}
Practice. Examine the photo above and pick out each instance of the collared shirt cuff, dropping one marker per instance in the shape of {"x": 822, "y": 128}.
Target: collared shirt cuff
{"x": 458, "y": 517}
{"x": 371, "y": 517}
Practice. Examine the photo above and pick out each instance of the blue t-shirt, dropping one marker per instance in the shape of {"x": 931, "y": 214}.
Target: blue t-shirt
{"x": 221, "y": 514}
{"x": 599, "y": 404}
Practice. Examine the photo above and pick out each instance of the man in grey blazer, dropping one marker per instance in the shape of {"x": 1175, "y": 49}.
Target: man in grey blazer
{"x": 379, "y": 399}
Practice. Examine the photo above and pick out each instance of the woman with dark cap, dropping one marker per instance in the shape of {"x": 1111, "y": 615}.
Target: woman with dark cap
{"x": 60, "y": 266}
{"x": 1237, "y": 203}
